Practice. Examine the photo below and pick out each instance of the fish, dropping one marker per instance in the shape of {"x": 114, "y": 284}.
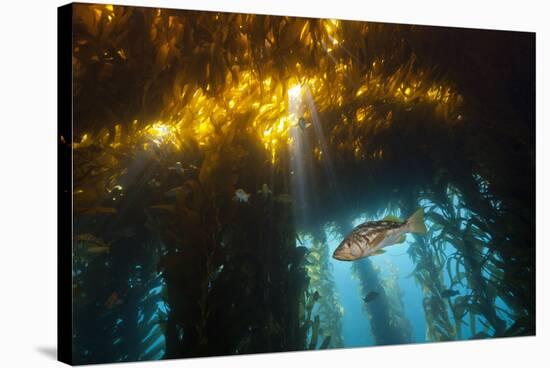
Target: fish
{"x": 113, "y": 301}
{"x": 154, "y": 183}
{"x": 265, "y": 191}
{"x": 178, "y": 168}
{"x": 117, "y": 189}
{"x": 117, "y": 192}
{"x": 303, "y": 124}
{"x": 371, "y": 296}
{"x": 449, "y": 293}
{"x": 241, "y": 195}
{"x": 371, "y": 237}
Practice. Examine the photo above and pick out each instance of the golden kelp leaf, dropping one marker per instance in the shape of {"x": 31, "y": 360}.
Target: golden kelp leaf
{"x": 304, "y": 31}
{"x": 118, "y": 136}
{"x": 103, "y": 136}
{"x": 162, "y": 56}
{"x": 85, "y": 141}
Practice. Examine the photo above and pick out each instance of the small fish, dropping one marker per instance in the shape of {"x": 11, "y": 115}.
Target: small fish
{"x": 265, "y": 191}
{"x": 117, "y": 189}
{"x": 370, "y": 237}
{"x": 113, "y": 301}
{"x": 303, "y": 124}
{"x": 371, "y": 296}
{"x": 178, "y": 168}
{"x": 449, "y": 293}
{"x": 241, "y": 195}
{"x": 154, "y": 183}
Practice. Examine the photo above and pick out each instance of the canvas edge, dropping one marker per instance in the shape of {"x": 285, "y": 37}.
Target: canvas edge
{"x": 64, "y": 184}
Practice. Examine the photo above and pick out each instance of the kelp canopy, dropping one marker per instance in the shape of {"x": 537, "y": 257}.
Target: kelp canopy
{"x": 174, "y": 111}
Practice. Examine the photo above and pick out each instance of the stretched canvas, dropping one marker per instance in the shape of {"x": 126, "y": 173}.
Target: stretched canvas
{"x": 249, "y": 183}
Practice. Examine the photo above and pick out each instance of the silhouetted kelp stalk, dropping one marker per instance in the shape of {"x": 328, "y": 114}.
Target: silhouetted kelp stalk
{"x": 471, "y": 243}
{"x": 329, "y": 309}
{"x": 233, "y": 266}
{"x": 388, "y": 323}
{"x": 152, "y": 321}
{"x": 453, "y": 225}
{"x": 395, "y": 297}
{"x": 429, "y": 274}
{"x": 394, "y": 126}
{"x": 507, "y": 264}
{"x": 115, "y": 266}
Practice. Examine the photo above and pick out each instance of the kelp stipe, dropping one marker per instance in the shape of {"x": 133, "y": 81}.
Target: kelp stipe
{"x": 218, "y": 159}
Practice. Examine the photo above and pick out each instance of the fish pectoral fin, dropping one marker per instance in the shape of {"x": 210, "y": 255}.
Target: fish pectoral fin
{"x": 378, "y": 252}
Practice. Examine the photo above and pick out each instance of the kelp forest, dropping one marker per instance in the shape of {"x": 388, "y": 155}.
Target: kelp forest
{"x": 219, "y": 158}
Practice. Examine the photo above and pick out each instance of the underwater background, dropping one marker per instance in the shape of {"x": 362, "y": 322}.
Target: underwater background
{"x": 219, "y": 160}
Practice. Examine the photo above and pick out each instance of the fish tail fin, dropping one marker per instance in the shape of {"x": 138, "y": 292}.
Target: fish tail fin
{"x": 415, "y": 223}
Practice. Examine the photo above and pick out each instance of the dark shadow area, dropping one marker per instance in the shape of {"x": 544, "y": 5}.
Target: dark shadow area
{"x": 215, "y": 156}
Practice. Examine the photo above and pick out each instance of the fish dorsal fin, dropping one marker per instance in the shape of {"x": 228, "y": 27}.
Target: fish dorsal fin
{"x": 392, "y": 218}
{"x": 378, "y": 252}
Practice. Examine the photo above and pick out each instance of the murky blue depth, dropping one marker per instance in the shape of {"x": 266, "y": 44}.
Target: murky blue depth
{"x": 356, "y": 327}
{"x": 220, "y": 159}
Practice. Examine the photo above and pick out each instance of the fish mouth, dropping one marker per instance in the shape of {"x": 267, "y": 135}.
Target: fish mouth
{"x": 342, "y": 256}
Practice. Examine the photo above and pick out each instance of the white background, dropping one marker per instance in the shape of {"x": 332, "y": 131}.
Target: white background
{"x": 28, "y": 245}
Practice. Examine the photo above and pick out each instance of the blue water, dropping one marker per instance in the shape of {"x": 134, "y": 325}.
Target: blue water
{"x": 355, "y": 320}
{"x": 355, "y": 323}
